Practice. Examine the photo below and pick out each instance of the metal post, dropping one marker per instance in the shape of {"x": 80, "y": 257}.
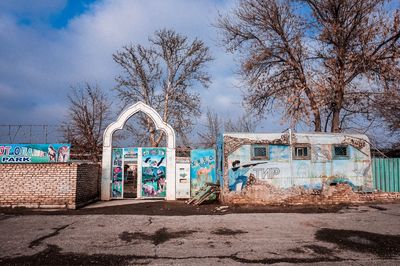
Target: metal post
{"x": 291, "y": 156}
{"x": 45, "y": 130}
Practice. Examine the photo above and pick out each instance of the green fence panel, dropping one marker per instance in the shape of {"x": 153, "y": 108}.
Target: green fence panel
{"x": 386, "y": 174}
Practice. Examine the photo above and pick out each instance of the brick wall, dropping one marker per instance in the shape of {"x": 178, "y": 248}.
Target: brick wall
{"x": 338, "y": 194}
{"x": 48, "y": 185}
{"x": 88, "y": 183}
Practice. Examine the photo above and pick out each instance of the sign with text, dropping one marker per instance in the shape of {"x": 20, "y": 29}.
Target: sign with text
{"x": 34, "y": 153}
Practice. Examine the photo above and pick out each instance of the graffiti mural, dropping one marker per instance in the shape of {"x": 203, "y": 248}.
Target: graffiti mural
{"x": 239, "y": 174}
{"x": 321, "y": 153}
{"x": 117, "y": 186}
{"x": 34, "y": 153}
{"x": 278, "y": 168}
{"x": 154, "y": 172}
{"x": 202, "y": 168}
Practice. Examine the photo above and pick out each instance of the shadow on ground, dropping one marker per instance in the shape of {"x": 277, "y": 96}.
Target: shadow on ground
{"x": 385, "y": 246}
{"x": 160, "y": 236}
{"x": 53, "y": 255}
{"x": 175, "y": 208}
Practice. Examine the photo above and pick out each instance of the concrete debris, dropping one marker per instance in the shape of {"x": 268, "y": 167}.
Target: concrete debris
{"x": 222, "y": 208}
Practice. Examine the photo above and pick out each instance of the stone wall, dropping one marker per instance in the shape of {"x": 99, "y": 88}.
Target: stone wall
{"x": 48, "y": 185}
{"x": 338, "y": 194}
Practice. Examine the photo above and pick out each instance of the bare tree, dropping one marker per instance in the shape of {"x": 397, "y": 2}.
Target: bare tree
{"x": 359, "y": 43}
{"x": 213, "y": 127}
{"x": 388, "y": 107}
{"x": 161, "y": 76}
{"x": 89, "y": 113}
{"x": 244, "y": 123}
{"x": 330, "y": 61}
{"x": 271, "y": 38}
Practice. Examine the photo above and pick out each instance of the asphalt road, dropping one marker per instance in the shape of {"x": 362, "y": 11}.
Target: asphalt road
{"x": 358, "y": 235}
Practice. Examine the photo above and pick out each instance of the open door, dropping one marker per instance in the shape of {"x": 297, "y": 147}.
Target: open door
{"x": 124, "y": 181}
{"x": 130, "y": 179}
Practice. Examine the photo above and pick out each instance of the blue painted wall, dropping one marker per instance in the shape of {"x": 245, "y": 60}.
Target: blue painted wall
{"x": 281, "y": 170}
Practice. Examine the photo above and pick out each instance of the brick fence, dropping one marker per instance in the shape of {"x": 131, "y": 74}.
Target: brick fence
{"x": 49, "y": 185}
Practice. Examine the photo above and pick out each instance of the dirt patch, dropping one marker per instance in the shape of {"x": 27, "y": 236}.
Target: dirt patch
{"x": 228, "y": 232}
{"x": 175, "y": 208}
{"x": 160, "y": 236}
{"x": 360, "y": 241}
{"x": 52, "y": 255}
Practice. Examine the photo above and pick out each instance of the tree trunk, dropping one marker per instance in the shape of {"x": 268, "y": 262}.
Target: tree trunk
{"x": 314, "y": 107}
{"x": 317, "y": 121}
{"x": 335, "y": 128}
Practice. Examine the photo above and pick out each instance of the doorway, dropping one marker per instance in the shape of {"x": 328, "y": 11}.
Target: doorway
{"x": 130, "y": 179}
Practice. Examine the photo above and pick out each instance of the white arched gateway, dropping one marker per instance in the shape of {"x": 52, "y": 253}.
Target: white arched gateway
{"x": 119, "y": 124}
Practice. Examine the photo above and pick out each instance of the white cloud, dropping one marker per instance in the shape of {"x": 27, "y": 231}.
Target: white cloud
{"x": 39, "y": 63}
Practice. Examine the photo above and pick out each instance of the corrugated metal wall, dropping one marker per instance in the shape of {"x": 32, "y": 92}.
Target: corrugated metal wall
{"x": 386, "y": 174}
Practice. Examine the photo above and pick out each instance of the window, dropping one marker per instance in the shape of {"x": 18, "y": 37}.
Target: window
{"x": 340, "y": 152}
{"x": 259, "y": 152}
{"x": 301, "y": 152}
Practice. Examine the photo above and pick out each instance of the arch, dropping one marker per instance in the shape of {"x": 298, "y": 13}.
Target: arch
{"x": 128, "y": 113}
{"x": 119, "y": 124}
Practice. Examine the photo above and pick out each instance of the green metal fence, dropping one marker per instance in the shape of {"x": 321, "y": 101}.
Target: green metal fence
{"x": 386, "y": 174}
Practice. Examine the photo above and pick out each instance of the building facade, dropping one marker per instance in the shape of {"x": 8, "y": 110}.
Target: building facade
{"x": 284, "y": 164}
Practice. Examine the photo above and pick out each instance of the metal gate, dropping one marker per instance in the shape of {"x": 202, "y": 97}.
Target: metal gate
{"x": 386, "y": 174}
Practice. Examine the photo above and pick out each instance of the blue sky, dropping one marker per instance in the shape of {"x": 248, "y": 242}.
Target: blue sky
{"x": 46, "y": 46}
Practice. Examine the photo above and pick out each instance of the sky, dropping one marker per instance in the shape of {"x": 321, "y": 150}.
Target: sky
{"x": 47, "y": 46}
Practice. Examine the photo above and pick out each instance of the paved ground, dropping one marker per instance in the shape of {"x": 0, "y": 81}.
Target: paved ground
{"x": 356, "y": 235}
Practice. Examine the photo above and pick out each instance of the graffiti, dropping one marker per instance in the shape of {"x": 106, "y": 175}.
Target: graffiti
{"x": 282, "y": 172}
{"x": 266, "y": 173}
{"x": 153, "y": 172}
{"x": 321, "y": 153}
{"x": 361, "y": 169}
{"x": 34, "y": 153}
{"x": 238, "y": 174}
{"x": 202, "y": 169}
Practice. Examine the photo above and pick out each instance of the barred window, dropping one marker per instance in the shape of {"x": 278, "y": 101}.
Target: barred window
{"x": 259, "y": 152}
{"x": 301, "y": 152}
{"x": 340, "y": 152}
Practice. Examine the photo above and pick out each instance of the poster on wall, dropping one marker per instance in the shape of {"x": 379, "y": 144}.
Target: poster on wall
{"x": 154, "y": 172}
{"x": 130, "y": 153}
{"x": 182, "y": 176}
{"x": 117, "y": 185}
{"x": 202, "y": 169}
{"x": 34, "y": 153}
